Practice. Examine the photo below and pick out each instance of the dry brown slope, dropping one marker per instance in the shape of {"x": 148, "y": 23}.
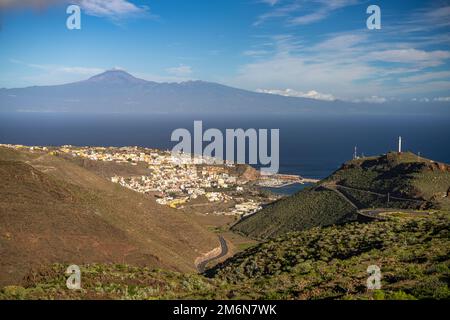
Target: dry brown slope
{"x": 44, "y": 218}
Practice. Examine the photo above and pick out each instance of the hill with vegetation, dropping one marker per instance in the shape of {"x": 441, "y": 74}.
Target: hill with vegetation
{"x": 319, "y": 263}
{"x": 394, "y": 180}
{"x": 307, "y": 209}
{"x": 55, "y": 211}
{"x": 409, "y": 179}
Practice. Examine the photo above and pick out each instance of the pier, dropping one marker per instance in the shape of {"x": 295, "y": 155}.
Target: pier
{"x": 283, "y": 180}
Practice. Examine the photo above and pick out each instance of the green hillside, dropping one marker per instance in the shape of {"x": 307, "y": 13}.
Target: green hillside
{"x": 332, "y": 262}
{"x": 54, "y": 212}
{"x": 307, "y": 209}
{"x": 402, "y": 181}
{"x": 402, "y": 175}
{"x": 320, "y": 263}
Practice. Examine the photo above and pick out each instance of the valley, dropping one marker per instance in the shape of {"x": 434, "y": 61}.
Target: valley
{"x": 247, "y": 154}
{"x": 65, "y": 205}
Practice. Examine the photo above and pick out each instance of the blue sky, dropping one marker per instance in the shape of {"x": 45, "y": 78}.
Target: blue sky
{"x": 314, "y": 48}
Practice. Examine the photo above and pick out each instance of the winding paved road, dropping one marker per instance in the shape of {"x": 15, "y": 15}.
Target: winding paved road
{"x": 224, "y": 246}
{"x": 381, "y": 194}
{"x": 377, "y": 213}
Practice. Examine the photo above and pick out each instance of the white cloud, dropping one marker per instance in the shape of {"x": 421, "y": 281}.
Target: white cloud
{"x": 111, "y": 8}
{"x": 45, "y": 74}
{"x": 442, "y": 99}
{"x": 114, "y": 9}
{"x": 426, "y": 88}
{"x": 299, "y": 94}
{"x": 301, "y": 12}
{"x": 439, "y": 16}
{"x": 430, "y": 58}
{"x": 371, "y": 99}
{"x": 162, "y": 78}
{"x": 270, "y": 2}
{"x": 442, "y": 12}
{"x": 313, "y": 94}
{"x": 347, "y": 65}
{"x": 61, "y": 69}
{"x": 299, "y": 67}
{"x": 341, "y": 42}
{"x": 402, "y": 60}
{"x": 309, "y": 18}
{"x": 180, "y": 71}
{"x": 255, "y": 53}
{"x": 420, "y": 99}
{"x": 80, "y": 70}
{"x": 427, "y": 76}
{"x": 278, "y": 12}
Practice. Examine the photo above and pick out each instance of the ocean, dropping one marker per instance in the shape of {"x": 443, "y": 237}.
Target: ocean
{"x": 310, "y": 146}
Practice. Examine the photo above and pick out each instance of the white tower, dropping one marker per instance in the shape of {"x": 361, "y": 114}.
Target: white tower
{"x": 399, "y": 144}
{"x": 355, "y": 153}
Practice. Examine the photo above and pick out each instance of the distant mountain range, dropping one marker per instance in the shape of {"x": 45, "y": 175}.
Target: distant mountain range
{"x": 117, "y": 91}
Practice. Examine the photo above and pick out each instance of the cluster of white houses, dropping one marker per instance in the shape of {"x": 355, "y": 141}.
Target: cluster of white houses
{"x": 175, "y": 180}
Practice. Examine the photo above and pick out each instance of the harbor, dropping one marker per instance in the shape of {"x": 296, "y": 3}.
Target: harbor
{"x": 284, "y": 180}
